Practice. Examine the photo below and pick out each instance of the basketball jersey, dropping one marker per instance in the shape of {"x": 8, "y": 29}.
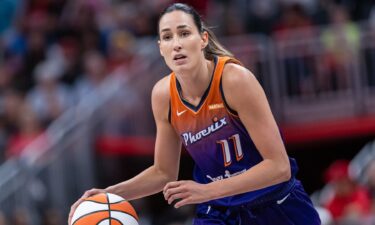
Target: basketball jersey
{"x": 215, "y": 137}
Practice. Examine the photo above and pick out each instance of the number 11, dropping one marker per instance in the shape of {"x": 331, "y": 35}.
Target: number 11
{"x": 226, "y": 151}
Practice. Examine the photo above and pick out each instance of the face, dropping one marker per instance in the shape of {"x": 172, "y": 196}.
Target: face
{"x": 181, "y": 44}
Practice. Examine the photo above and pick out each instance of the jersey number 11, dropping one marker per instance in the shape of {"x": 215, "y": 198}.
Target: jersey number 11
{"x": 226, "y": 150}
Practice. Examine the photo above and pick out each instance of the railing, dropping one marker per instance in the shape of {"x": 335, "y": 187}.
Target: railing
{"x": 57, "y": 167}
{"x": 59, "y": 164}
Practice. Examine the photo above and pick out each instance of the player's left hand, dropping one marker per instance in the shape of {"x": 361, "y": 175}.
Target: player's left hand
{"x": 186, "y": 192}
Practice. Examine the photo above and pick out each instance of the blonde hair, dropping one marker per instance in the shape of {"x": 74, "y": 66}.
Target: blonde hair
{"x": 214, "y": 47}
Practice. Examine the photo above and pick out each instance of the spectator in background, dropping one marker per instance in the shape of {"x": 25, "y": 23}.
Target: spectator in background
{"x": 3, "y": 139}
{"x": 5, "y": 77}
{"x": 86, "y": 25}
{"x": 67, "y": 52}
{"x": 120, "y": 49}
{"x": 35, "y": 34}
{"x": 3, "y": 220}
{"x": 261, "y": 16}
{"x": 369, "y": 175}
{"x": 369, "y": 51}
{"x": 95, "y": 70}
{"x": 21, "y": 216}
{"x": 49, "y": 98}
{"x": 362, "y": 169}
{"x": 233, "y": 23}
{"x": 295, "y": 25}
{"x": 347, "y": 201}
{"x": 341, "y": 45}
{"x": 12, "y": 102}
{"x": 293, "y": 18}
{"x": 28, "y": 129}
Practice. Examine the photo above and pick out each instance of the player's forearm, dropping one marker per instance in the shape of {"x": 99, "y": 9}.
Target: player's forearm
{"x": 264, "y": 174}
{"x": 150, "y": 181}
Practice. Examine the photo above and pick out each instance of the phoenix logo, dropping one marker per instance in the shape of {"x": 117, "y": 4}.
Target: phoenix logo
{"x": 190, "y": 138}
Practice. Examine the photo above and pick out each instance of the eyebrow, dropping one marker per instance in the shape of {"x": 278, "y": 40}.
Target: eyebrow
{"x": 178, "y": 27}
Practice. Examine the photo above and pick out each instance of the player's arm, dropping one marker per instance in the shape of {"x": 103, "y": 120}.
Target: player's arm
{"x": 167, "y": 156}
{"x": 244, "y": 94}
{"x": 167, "y": 152}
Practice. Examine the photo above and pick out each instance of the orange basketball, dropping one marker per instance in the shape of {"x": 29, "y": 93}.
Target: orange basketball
{"x": 105, "y": 209}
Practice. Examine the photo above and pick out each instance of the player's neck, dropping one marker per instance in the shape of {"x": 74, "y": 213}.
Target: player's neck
{"x": 195, "y": 82}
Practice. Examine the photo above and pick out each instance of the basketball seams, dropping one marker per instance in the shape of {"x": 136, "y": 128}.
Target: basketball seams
{"x": 89, "y": 200}
{"x": 118, "y": 202}
{"x": 118, "y": 221}
{"x": 88, "y": 214}
{"x": 117, "y": 212}
{"x": 103, "y": 220}
{"x": 124, "y": 213}
{"x": 109, "y": 209}
{"x": 104, "y": 203}
{"x": 127, "y": 218}
{"x": 100, "y": 198}
{"x": 113, "y": 199}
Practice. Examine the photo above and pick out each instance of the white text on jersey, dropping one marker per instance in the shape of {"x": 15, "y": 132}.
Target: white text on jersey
{"x": 190, "y": 138}
{"x": 226, "y": 175}
{"x": 216, "y": 106}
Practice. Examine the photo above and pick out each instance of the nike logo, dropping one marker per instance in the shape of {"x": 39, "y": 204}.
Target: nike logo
{"x": 180, "y": 113}
{"x": 279, "y": 202}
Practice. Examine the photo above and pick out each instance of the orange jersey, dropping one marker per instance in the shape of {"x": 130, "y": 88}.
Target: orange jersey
{"x": 214, "y": 135}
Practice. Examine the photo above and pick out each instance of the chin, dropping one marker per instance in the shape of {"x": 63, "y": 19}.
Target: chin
{"x": 181, "y": 68}
{"x": 186, "y": 66}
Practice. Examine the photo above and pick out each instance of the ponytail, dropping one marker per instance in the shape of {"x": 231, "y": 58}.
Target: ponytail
{"x": 214, "y": 47}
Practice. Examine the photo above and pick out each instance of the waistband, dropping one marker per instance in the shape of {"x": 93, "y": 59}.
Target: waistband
{"x": 261, "y": 201}
{"x": 273, "y": 196}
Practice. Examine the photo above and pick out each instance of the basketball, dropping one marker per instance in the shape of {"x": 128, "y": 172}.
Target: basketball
{"x": 105, "y": 209}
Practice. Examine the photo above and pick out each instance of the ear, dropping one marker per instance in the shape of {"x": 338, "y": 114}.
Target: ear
{"x": 161, "y": 52}
{"x": 204, "y": 42}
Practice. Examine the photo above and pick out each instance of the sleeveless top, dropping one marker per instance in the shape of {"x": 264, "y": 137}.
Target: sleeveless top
{"x": 215, "y": 137}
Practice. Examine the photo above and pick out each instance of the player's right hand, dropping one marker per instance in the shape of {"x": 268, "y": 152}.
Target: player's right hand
{"x": 87, "y": 194}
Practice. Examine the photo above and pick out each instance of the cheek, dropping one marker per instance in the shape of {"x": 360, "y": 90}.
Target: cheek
{"x": 166, "y": 54}
{"x": 164, "y": 49}
{"x": 195, "y": 46}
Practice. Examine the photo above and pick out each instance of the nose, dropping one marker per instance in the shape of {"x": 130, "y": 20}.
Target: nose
{"x": 177, "y": 44}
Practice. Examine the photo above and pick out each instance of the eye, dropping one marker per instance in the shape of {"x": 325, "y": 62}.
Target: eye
{"x": 185, "y": 33}
{"x": 166, "y": 37}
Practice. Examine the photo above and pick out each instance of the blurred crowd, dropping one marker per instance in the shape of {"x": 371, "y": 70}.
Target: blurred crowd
{"x": 348, "y": 196}
{"x": 54, "y": 52}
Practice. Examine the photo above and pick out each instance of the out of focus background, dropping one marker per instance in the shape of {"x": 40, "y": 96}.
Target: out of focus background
{"x": 75, "y": 112}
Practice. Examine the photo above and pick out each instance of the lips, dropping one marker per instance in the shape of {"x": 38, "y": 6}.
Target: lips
{"x": 179, "y": 57}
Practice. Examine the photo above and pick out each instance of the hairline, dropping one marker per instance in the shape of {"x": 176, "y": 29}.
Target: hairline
{"x": 181, "y": 10}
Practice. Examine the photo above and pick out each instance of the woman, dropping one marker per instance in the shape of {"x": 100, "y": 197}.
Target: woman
{"x": 218, "y": 111}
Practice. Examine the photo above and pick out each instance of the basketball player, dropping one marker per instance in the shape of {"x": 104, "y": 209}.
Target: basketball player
{"x": 216, "y": 108}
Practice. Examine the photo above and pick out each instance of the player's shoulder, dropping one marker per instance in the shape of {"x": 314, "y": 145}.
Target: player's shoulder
{"x": 161, "y": 88}
{"x": 236, "y": 75}
{"x": 160, "y": 96}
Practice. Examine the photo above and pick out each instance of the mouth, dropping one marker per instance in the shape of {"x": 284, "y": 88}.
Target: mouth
{"x": 179, "y": 57}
